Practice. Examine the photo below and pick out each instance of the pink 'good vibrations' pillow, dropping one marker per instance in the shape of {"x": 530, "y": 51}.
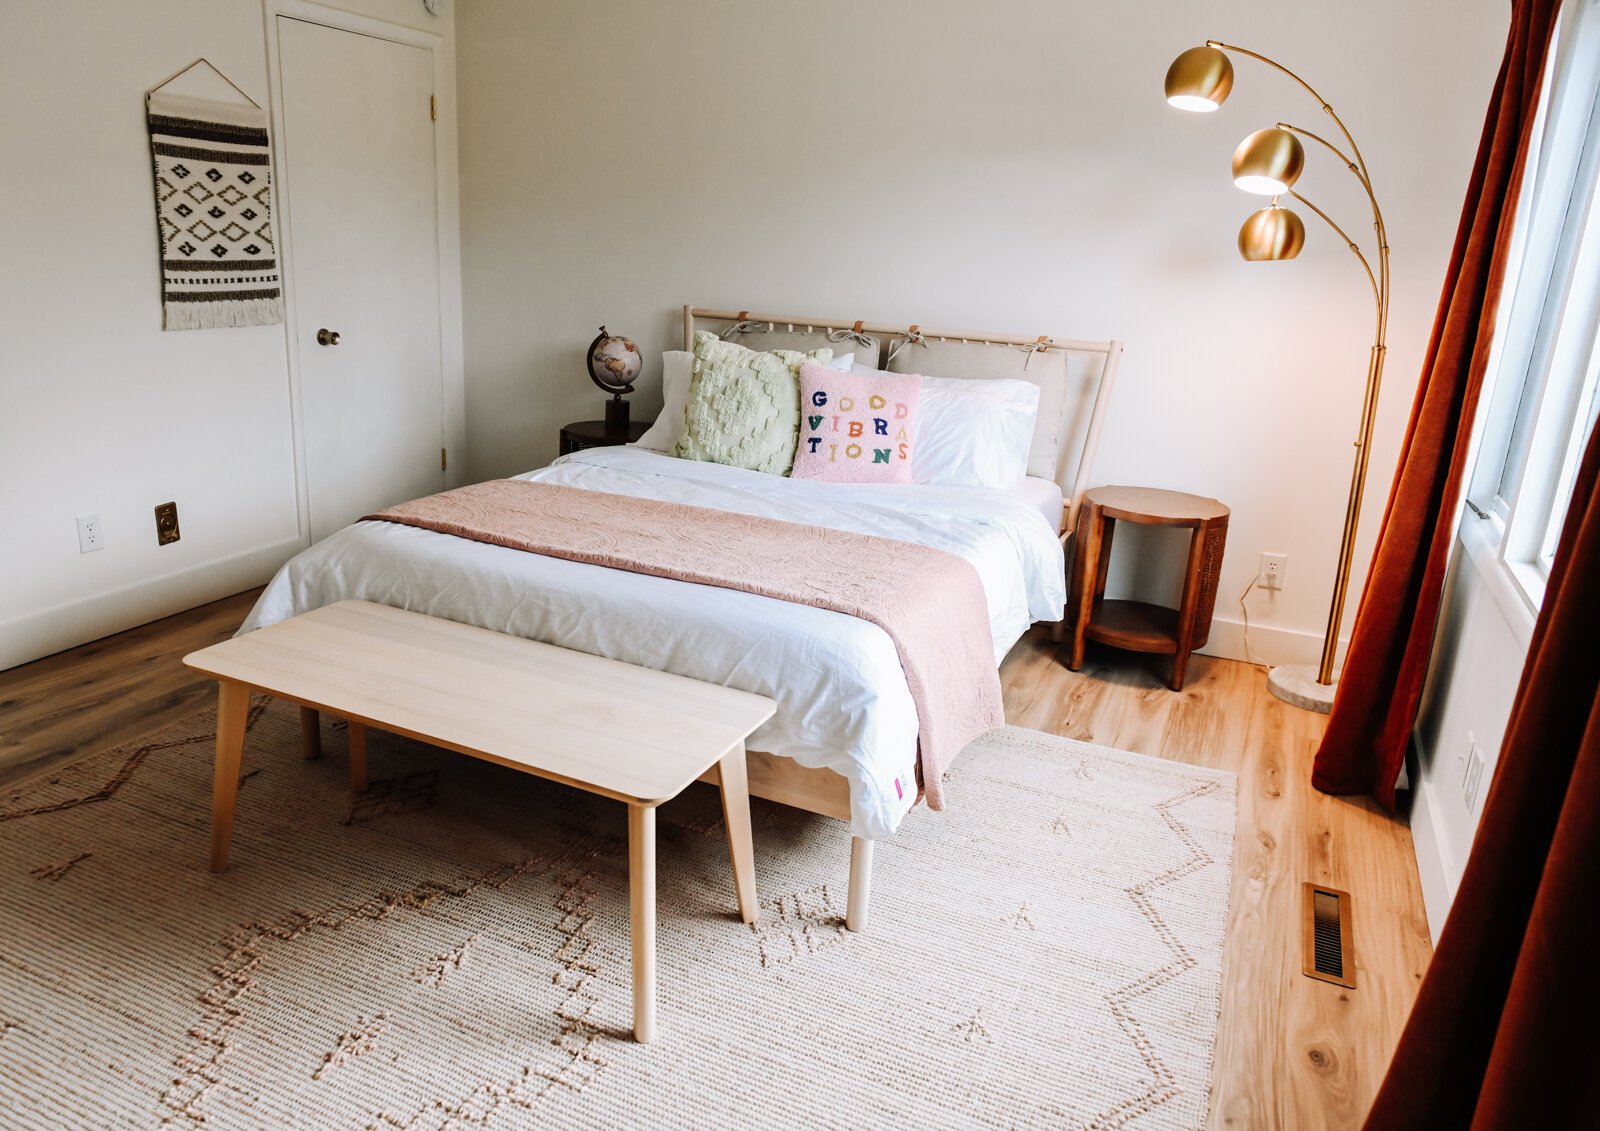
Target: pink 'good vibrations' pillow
{"x": 856, "y": 429}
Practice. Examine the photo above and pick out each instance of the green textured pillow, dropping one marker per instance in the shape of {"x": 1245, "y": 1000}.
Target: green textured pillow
{"x": 744, "y": 406}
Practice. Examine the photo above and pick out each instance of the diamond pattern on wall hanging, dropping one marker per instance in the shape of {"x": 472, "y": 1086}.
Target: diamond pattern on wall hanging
{"x": 213, "y": 157}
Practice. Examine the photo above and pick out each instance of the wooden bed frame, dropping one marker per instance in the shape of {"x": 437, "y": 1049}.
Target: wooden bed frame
{"x": 822, "y": 790}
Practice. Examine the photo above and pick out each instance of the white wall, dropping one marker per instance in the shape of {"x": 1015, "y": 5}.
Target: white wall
{"x": 1482, "y": 641}
{"x": 100, "y": 410}
{"x": 1008, "y": 166}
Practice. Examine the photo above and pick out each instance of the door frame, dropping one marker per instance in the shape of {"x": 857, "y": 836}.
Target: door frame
{"x": 447, "y": 229}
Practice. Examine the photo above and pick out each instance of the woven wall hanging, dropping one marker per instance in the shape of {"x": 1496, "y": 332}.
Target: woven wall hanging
{"x": 213, "y": 163}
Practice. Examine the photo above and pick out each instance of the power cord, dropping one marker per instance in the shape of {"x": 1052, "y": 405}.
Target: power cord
{"x": 1249, "y": 653}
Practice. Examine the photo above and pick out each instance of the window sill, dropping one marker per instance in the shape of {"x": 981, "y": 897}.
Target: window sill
{"x": 1530, "y": 580}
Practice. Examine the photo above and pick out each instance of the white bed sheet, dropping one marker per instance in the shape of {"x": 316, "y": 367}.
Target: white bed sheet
{"x": 842, "y": 700}
{"x": 1044, "y": 496}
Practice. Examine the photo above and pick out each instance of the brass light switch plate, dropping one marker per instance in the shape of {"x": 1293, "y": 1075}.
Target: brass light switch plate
{"x": 167, "y": 523}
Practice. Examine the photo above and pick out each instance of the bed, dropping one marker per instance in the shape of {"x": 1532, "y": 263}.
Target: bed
{"x": 843, "y": 740}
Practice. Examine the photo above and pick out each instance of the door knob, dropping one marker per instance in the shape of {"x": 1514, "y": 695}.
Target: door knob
{"x": 327, "y": 337}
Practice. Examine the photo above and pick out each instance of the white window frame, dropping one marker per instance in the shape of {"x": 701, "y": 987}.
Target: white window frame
{"x": 1588, "y": 409}
{"x": 1542, "y": 369}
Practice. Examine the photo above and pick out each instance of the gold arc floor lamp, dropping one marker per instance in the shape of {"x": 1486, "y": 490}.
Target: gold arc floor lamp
{"x": 1268, "y": 162}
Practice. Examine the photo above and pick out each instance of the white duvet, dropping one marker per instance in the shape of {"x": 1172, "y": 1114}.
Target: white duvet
{"x": 842, "y": 701}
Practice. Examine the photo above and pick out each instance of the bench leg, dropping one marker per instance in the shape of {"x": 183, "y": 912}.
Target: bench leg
{"x": 734, "y": 776}
{"x": 310, "y": 733}
{"x": 642, "y": 912}
{"x": 358, "y": 756}
{"x": 233, "y": 708}
{"x": 860, "y": 898}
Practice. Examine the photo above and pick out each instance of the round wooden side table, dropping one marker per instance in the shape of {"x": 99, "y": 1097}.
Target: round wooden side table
{"x": 1137, "y": 625}
{"x": 598, "y": 434}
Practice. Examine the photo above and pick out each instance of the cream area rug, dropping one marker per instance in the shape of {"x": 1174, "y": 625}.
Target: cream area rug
{"x": 451, "y": 948}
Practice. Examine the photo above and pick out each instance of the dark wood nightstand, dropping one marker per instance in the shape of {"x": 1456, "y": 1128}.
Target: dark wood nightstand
{"x": 594, "y": 434}
{"x": 1136, "y": 625}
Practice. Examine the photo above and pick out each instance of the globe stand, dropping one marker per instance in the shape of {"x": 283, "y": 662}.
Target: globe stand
{"x": 613, "y": 365}
{"x": 617, "y": 415}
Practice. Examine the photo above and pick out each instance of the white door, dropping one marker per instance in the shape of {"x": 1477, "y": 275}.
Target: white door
{"x": 362, "y": 216}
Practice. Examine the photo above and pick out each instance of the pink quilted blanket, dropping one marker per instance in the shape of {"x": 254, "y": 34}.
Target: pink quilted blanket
{"x": 930, "y": 602}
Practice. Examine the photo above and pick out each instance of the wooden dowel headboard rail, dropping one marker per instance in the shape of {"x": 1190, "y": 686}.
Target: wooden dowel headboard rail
{"x": 1075, "y": 345}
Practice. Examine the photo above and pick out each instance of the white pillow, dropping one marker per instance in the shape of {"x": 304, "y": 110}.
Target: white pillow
{"x": 663, "y": 434}
{"x": 974, "y": 361}
{"x": 676, "y": 366}
{"x": 972, "y": 433}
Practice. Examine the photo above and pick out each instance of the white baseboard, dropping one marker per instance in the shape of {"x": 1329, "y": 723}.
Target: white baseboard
{"x": 66, "y": 626}
{"x": 1269, "y": 644}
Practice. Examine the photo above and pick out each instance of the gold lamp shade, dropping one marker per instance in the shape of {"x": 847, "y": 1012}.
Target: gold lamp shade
{"x": 1268, "y": 162}
{"x": 1199, "y": 79}
{"x": 1271, "y": 233}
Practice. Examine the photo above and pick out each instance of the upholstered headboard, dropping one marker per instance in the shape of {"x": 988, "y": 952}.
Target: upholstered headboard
{"x": 1075, "y": 377}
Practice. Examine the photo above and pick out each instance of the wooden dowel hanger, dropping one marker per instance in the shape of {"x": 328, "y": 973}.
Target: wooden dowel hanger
{"x": 214, "y": 70}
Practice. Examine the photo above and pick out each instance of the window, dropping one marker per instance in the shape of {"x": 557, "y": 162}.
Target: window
{"x": 1569, "y": 464}
{"x": 1544, "y": 370}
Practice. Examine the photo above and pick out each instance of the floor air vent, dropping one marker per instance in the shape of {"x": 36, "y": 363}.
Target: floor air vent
{"x": 1325, "y": 936}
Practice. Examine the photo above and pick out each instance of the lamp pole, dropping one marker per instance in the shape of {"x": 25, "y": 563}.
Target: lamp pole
{"x": 1201, "y": 79}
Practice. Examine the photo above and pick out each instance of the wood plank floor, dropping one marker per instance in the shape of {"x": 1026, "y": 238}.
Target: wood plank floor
{"x": 106, "y": 692}
{"x": 1291, "y": 1052}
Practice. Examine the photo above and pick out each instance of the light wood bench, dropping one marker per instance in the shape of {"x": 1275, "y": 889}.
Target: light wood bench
{"x": 621, "y": 731}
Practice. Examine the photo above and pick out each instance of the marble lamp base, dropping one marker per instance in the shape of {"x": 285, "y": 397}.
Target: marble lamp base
{"x": 1297, "y": 684}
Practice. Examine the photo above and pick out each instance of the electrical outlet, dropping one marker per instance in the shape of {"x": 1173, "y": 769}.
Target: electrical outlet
{"x": 167, "y": 524}
{"x": 1473, "y": 779}
{"x": 1273, "y": 569}
{"x": 90, "y": 536}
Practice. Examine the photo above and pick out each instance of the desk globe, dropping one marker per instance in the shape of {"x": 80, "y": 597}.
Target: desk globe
{"x": 614, "y": 365}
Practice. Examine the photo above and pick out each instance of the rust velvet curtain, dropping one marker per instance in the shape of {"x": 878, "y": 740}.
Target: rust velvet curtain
{"x": 1503, "y": 1033}
{"x": 1376, "y": 703}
